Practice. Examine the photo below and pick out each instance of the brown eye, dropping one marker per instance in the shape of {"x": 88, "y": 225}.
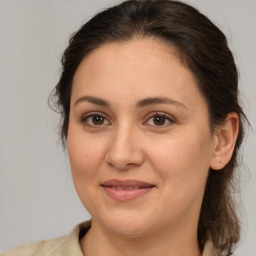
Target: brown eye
{"x": 95, "y": 120}
{"x": 159, "y": 120}
{"x": 98, "y": 120}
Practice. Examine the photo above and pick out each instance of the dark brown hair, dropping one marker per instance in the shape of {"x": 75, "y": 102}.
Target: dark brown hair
{"x": 203, "y": 49}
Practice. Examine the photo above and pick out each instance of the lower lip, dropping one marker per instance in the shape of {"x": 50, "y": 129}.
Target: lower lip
{"x": 126, "y": 194}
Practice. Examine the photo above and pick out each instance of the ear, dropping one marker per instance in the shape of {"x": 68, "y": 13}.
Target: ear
{"x": 224, "y": 141}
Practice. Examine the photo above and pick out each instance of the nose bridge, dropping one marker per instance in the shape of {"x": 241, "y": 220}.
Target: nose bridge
{"x": 124, "y": 150}
{"x": 123, "y": 135}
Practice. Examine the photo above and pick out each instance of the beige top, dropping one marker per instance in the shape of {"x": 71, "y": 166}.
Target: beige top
{"x": 69, "y": 245}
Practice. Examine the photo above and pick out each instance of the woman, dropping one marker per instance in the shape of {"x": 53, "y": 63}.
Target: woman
{"x": 149, "y": 102}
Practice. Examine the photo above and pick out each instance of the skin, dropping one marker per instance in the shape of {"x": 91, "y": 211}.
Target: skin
{"x": 175, "y": 156}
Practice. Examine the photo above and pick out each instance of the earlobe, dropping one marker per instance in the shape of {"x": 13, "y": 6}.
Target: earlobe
{"x": 225, "y": 140}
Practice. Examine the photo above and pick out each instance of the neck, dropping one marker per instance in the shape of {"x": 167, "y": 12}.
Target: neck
{"x": 100, "y": 242}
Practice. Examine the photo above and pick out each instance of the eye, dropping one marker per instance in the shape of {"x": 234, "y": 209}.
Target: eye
{"x": 95, "y": 120}
{"x": 160, "y": 119}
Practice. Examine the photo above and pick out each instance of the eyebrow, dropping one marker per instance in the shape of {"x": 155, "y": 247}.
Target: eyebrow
{"x": 158, "y": 100}
{"x": 93, "y": 100}
{"x": 140, "y": 104}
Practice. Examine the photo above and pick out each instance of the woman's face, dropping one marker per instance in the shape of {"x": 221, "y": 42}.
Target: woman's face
{"x": 137, "y": 114}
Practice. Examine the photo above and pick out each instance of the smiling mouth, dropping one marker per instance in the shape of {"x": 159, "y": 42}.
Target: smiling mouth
{"x": 126, "y": 190}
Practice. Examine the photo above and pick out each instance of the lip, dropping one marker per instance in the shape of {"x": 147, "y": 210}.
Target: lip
{"x": 126, "y": 190}
{"x": 126, "y": 183}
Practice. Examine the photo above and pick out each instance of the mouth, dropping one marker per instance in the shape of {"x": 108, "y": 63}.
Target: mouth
{"x": 127, "y": 189}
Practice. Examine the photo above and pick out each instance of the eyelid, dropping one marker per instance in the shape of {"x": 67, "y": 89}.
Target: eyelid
{"x": 168, "y": 117}
{"x": 94, "y": 113}
{"x": 163, "y": 114}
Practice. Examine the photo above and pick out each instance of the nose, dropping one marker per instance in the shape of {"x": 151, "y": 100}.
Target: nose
{"x": 124, "y": 151}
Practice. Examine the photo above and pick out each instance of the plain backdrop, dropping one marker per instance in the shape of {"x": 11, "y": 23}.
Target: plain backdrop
{"x": 37, "y": 197}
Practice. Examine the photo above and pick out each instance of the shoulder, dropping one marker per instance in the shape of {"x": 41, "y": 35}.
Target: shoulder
{"x": 47, "y": 247}
{"x": 209, "y": 249}
{"x": 65, "y": 245}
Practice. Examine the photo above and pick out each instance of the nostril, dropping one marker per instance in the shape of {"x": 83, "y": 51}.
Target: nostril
{"x": 123, "y": 154}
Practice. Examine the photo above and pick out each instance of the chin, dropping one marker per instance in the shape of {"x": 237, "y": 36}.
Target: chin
{"x": 128, "y": 226}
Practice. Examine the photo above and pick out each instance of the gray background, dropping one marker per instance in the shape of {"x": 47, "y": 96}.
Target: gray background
{"x": 37, "y": 197}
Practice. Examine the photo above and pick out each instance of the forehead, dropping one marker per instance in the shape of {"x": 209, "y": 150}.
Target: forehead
{"x": 148, "y": 53}
{"x": 135, "y": 69}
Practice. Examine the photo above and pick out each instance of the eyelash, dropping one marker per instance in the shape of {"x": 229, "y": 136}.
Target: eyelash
{"x": 85, "y": 118}
{"x": 166, "y": 117}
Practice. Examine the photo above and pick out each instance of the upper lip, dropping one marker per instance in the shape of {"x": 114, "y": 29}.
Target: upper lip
{"x": 126, "y": 183}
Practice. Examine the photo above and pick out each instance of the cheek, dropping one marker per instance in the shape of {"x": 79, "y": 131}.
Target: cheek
{"x": 181, "y": 152}
{"x": 182, "y": 175}
{"x": 85, "y": 155}
{"x": 182, "y": 163}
